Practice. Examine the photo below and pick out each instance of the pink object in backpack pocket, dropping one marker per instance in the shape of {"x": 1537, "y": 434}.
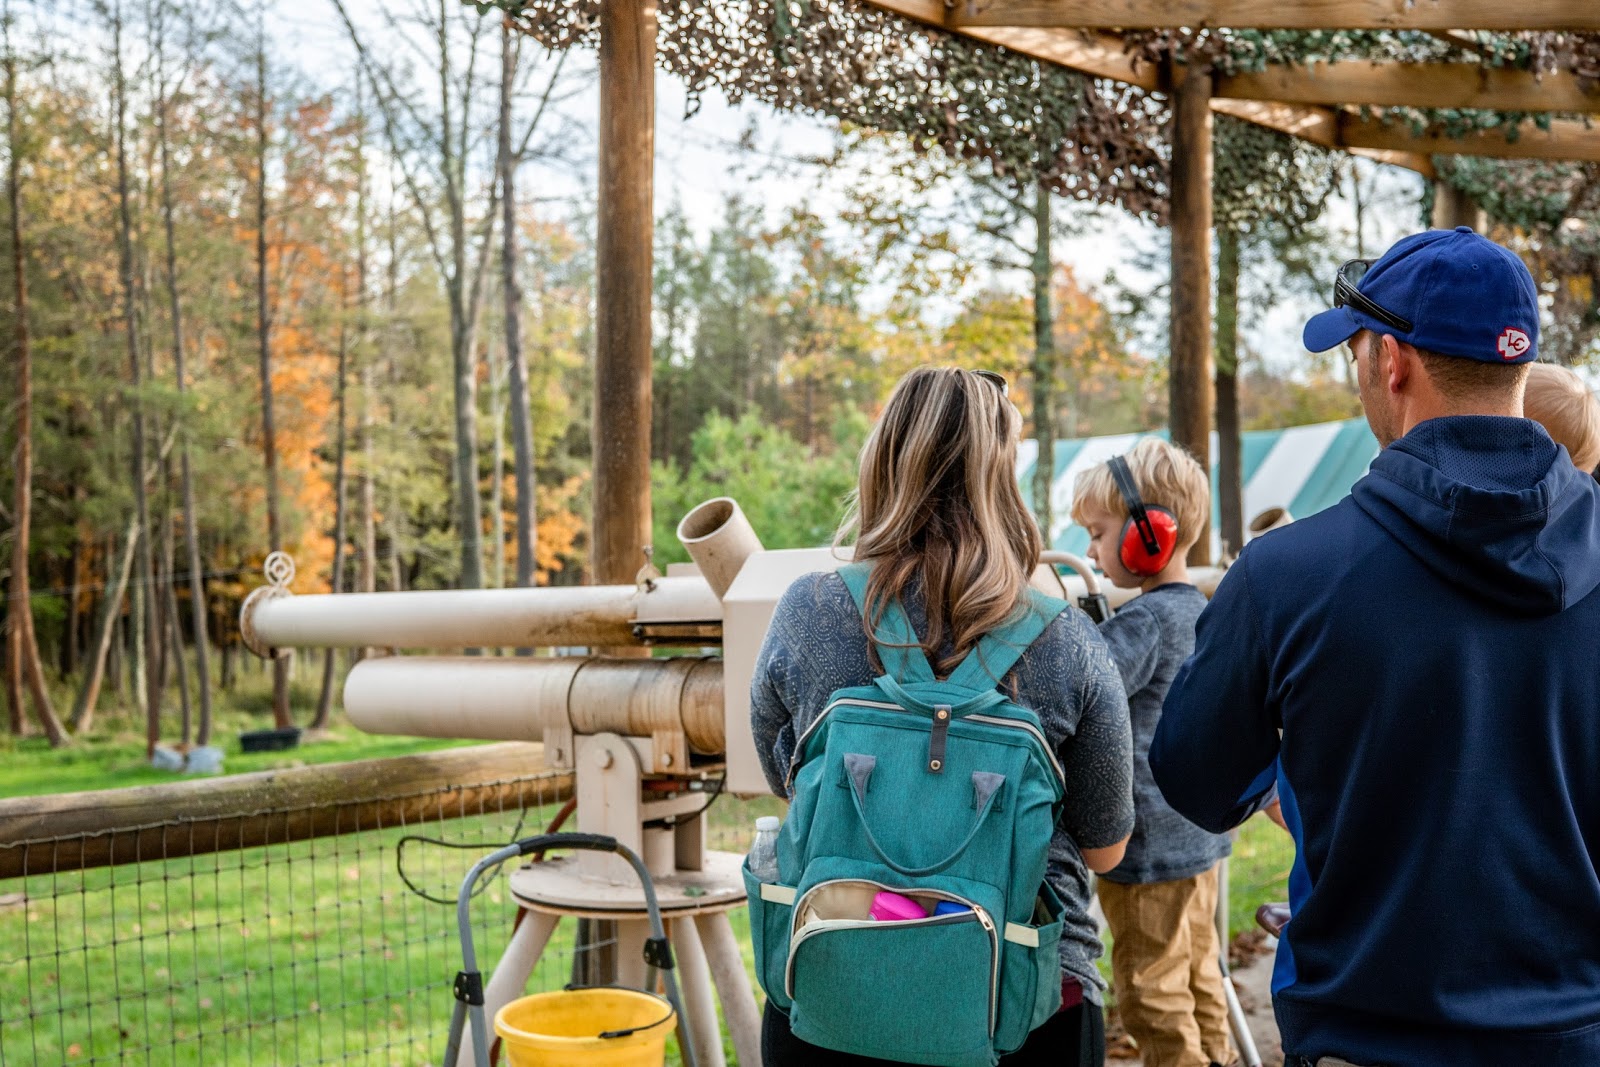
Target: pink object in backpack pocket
{"x": 892, "y": 907}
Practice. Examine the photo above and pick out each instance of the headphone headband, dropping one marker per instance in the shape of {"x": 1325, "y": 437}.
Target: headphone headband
{"x": 1123, "y": 476}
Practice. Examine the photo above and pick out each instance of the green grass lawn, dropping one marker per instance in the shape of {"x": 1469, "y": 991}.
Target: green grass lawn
{"x": 112, "y": 755}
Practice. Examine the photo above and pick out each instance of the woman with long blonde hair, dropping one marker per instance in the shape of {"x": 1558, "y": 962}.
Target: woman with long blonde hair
{"x": 938, "y": 515}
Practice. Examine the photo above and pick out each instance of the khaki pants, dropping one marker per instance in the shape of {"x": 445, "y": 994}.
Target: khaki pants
{"x": 1164, "y": 967}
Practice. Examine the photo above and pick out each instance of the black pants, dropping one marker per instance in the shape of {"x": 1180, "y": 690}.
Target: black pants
{"x": 1075, "y": 1037}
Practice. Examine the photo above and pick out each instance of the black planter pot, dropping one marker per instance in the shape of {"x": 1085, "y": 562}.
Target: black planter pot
{"x": 269, "y": 740}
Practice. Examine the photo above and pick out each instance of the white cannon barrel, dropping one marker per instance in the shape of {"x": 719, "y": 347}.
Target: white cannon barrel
{"x": 518, "y": 698}
{"x": 590, "y": 615}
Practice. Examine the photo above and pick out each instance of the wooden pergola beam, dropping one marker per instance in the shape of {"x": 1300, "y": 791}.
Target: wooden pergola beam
{"x": 1103, "y": 56}
{"x": 1319, "y": 125}
{"x": 1566, "y": 140}
{"x": 1392, "y": 84}
{"x": 1282, "y": 14}
{"x": 1099, "y": 54}
{"x": 1422, "y": 164}
{"x": 1251, "y": 97}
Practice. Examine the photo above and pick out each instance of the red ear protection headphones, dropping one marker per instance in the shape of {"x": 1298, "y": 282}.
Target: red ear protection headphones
{"x": 1151, "y": 533}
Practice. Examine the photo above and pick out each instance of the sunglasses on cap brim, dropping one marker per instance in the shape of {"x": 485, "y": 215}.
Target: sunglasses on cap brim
{"x": 1345, "y": 294}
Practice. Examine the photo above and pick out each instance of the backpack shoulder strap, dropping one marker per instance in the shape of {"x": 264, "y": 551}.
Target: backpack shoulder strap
{"x": 898, "y": 647}
{"x": 998, "y": 651}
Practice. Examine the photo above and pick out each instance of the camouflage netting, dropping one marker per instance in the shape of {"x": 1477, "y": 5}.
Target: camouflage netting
{"x": 1260, "y": 174}
{"x": 1085, "y": 138}
{"x": 1102, "y": 141}
{"x": 1241, "y": 51}
{"x": 1550, "y": 213}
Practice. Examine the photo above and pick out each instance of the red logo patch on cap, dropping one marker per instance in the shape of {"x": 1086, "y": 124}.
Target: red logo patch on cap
{"x": 1513, "y": 343}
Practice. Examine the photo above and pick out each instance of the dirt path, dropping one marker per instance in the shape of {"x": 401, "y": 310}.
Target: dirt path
{"x": 1253, "y": 981}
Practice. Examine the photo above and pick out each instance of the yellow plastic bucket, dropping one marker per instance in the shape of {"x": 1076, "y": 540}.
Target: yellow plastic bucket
{"x": 564, "y": 1029}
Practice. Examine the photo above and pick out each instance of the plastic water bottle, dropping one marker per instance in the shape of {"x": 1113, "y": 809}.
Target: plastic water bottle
{"x": 764, "y": 852}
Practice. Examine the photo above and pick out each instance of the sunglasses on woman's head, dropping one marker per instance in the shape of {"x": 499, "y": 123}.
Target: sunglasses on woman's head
{"x": 1345, "y": 294}
{"x": 996, "y": 380}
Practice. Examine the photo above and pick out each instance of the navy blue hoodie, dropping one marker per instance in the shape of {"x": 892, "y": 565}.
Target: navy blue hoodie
{"x": 1418, "y": 670}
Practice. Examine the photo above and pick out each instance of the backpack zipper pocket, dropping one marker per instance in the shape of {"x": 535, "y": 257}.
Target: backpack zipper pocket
{"x": 801, "y": 932}
{"x": 883, "y": 705}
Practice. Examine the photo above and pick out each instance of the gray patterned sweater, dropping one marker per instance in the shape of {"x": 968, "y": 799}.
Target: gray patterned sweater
{"x": 1150, "y": 636}
{"x": 817, "y": 644}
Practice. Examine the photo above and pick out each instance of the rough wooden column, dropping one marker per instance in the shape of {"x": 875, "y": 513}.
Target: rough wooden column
{"x": 1189, "y": 387}
{"x": 1452, "y": 208}
{"x": 1230, "y": 440}
{"x": 623, "y": 281}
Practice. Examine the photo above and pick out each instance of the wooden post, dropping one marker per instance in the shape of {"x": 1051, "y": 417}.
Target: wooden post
{"x": 623, "y": 284}
{"x": 1452, "y": 208}
{"x": 1230, "y": 439}
{"x": 77, "y": 831}
{"x": 1189, "y": 386}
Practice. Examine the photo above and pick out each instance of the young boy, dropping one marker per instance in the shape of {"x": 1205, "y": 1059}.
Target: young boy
{"x": 1558, "y": 400}
{"x": 1143, "y": 511}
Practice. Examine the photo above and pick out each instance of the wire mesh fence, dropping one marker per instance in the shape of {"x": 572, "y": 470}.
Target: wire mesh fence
{"x": 300, "y": 951}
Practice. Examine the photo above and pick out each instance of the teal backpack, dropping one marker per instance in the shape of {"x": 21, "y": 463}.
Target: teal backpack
{"x": 939, "y": 791}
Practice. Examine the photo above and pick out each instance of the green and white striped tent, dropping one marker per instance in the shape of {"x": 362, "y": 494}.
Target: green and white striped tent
{"x": 1303, "y": 469}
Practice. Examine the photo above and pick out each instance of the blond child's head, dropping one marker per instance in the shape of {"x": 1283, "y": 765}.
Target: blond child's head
{"x": 1166, "y": 476}
{"x": 1558, "y": 400}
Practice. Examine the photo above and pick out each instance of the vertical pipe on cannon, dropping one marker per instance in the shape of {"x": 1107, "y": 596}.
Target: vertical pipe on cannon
{"x": 1189, "y": 388}
{"x": 623, "y": 281}
{"x": 719, "y": 539}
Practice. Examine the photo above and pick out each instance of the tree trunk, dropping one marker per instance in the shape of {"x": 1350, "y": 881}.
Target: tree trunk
{"x": 138, "y": 664}
{"x": 69, "y": 643}
{"x": 110, "y": 611}
{"x": 22, "y": 662}
{"x": 369, "y": 506}
{"x": 527, "y": 528}
{"x": 392, "y": 300}
{"x": 464, "y": 377}
{"x": 497, "y": 467}
{"x": 1189, "y": 389}
{"x": 228, "y": 663}
{"x": 280, "y": 664}
{"x": 1043, "y": 369}
{"x": 191, "y": 531}
{"x": 368, "y": 579}
{"x": 1230, "y": 444}
{"x": 16, "y": 721}
{"x": 145, "y": 632}
{"x": 119, "y": 636}
{"x": 165, "y": 602}
{"x": 175, "y": 632}
{"x": 325, "y": 696}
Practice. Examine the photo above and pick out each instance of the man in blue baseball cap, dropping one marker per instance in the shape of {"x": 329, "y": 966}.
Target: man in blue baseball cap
{"x": 1413, "y": 669}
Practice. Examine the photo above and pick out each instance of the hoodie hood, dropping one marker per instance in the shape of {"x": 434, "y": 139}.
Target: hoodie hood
{"x": 1492, "y": 505}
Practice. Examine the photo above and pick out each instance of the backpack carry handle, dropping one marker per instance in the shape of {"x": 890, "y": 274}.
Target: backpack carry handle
{"x": 896, "y": 692}
{"x": 985, "y": 786}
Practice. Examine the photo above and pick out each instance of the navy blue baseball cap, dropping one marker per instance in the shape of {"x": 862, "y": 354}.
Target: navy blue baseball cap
{"x": 1452, "y": 292}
